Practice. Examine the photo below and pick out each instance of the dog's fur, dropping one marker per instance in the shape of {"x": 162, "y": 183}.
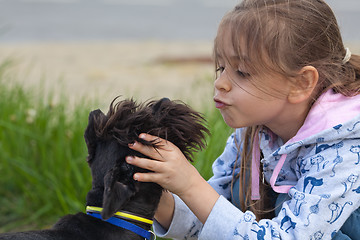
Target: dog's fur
{"x": 113, "y": 188}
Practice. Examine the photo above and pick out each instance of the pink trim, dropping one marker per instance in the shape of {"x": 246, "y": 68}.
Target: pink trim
{"x": 330, "y": 110}
{"x": 255, "y": 167}
{"x": 274, "y": 176}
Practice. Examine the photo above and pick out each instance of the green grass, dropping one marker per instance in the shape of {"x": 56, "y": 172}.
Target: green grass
{"x": 43, "y": 170}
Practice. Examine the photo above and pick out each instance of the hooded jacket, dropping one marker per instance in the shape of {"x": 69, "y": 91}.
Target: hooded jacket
{"x": 319, "y": 168}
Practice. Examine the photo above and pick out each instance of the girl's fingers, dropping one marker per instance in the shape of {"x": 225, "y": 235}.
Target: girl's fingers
{"x": 144, "y": 163}
{"x": 148, "y": 164}
{"x": 146, "y": 150}
{"x": 146, "y": 177}
{"x": 148, "y": 137}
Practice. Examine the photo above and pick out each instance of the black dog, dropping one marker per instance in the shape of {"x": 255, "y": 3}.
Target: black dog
{"x": 115, "y": 196}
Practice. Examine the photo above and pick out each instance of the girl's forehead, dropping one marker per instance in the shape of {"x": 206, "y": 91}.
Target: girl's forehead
{"x": 224, "y": 39}
{"x": 229, "y": 49}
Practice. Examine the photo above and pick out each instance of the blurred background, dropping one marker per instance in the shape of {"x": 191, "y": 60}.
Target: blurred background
{"x": 104, "y": 48}
{"x": 59, "y": 59}
{"x": 78, "y": 20}
{"x": 25, "y": 21}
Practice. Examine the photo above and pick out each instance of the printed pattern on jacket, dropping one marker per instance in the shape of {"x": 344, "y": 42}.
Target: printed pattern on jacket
{"x": 323, "y": 168}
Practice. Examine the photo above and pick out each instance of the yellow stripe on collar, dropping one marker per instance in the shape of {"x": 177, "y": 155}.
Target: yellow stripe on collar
{"x": 121, "y": 215}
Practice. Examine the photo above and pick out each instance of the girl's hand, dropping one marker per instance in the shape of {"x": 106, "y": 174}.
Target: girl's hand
{"x": 172, "y": 171}
{"x": 169, "y": 167}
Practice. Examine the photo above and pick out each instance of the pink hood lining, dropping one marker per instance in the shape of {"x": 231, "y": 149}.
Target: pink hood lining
{"x": 330, "y": 110}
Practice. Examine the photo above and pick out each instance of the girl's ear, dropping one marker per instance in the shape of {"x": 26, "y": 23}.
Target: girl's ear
{"x": 305, "y": 85}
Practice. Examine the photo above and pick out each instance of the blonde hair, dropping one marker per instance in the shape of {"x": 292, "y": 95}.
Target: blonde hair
{"x": 283, "y": 36}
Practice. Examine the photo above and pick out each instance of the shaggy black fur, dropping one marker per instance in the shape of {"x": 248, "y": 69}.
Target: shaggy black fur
{"x": 113, "y": 188}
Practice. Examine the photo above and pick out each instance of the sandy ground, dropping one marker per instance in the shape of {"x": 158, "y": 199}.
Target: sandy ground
{"x": 104, "y": 70}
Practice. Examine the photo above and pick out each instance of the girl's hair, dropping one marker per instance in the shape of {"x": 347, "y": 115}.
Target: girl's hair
{"x": 283, "y": 36}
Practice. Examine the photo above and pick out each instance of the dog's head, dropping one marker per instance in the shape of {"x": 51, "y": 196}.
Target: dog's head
{"x": 107, "y": 138}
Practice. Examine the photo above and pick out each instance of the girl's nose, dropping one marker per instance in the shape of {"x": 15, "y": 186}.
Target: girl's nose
{"x": 222, "y": 82}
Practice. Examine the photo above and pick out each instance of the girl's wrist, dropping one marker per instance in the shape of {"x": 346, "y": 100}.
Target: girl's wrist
{"x": 165, "y": 210}
{"x": 200, "y": 198}
{"x": 194, "y": 182}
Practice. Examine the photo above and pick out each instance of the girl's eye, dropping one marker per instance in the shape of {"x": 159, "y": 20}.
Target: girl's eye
{"x": 220, "y": 69}
{"x": 242, "y": 74}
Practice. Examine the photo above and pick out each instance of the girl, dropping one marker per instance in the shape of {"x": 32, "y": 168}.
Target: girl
{"x": 289, "y": 88}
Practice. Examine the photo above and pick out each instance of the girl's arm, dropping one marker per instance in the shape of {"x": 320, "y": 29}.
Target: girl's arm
{"x": 165, "y": 211}
{"x": 200, "y": 198}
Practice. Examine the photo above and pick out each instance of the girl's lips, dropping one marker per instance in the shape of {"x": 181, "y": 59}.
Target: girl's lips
{"x": 219, "y": 104}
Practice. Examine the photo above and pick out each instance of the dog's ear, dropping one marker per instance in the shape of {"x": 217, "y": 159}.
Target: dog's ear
{"x": 116, "y": 193}
{"x": 90, "y": 135}
{"x": 181, "y": 125}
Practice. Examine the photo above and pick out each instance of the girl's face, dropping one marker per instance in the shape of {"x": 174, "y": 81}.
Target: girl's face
{"x": 245, "y": 100}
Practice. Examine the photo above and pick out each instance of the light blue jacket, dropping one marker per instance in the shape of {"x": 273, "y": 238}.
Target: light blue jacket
{"x": 322, "y": 164}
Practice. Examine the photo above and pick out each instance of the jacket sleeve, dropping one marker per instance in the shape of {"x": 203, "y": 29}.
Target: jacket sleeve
{"x": 184, "y": 224}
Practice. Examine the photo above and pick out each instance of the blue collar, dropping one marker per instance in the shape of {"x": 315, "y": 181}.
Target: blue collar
{"x": 149, "y": 235}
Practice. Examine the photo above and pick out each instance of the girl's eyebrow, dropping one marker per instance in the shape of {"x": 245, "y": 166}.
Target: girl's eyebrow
{"x": 235, "y": 58}
{"x": 242, "y": 58}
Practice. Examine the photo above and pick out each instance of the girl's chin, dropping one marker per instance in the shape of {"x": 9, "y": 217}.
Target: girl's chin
{"x": 231, "y": 122}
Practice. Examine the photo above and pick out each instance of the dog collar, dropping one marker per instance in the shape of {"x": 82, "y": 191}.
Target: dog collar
{"x": 149, "y": 235}
{"x": 122, "y": 215}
